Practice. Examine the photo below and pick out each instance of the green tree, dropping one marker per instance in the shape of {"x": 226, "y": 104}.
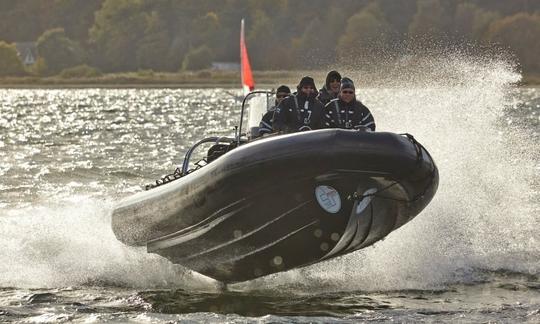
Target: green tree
{"x": 198, "y": 59}
{"x": 399, "y": 14}
{"x": 510, "y": 8}
{"x": 432, "y": 19}
{"x": 520, "y": 33}
{"x": 127, "y": 35}
{"x": 307, "y": 50}
{"x": 472, "y": 21}
{"x": 368, "y": 34}
{"x": 10, "y": 63}
{"x": 178, "y": 17}
{"x": 153, "y": 48}
{"x": 25, "y": 20}
{"x": 266, "y": 50}
{"x": 118, "y": 27}
{"x": 317, "y": 45}
{"x": 58, "y": 51}
{"x": 75, "y": 16}
{"x": 205, "y": 30}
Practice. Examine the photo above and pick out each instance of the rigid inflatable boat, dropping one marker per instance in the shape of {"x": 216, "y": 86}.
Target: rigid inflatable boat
{"x": 281, "y": 202}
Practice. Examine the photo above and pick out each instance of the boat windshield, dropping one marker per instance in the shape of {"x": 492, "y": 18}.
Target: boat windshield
{"x": 258, "y": 105}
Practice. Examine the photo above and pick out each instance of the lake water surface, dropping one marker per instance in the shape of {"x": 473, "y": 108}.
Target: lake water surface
{"x": 67, "y": 156}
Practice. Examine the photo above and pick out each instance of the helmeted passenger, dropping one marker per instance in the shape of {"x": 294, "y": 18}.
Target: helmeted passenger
{"x": 330, "y": 90}
{"x": 346, "y": 111}
{"x": 265, "y": 127}
{"x": 300, "y": 111}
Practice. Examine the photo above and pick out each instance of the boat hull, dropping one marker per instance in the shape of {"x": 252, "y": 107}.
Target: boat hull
{"x": 284, "y": 202}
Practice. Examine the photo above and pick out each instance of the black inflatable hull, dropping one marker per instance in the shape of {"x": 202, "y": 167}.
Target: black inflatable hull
{"x": 282, "y": 202}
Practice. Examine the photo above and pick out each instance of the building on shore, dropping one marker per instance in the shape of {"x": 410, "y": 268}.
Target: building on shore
{"x": 226, "y": 66}
{"x": 27, "y": 52}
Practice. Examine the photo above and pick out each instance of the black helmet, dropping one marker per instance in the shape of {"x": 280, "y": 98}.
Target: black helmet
{"x": 283, "y": 88}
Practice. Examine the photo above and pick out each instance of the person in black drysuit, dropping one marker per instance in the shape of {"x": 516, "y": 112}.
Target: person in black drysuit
{"x": 330, "y": 90}
{"x": 265, "y": 127}
{"x": 300, "y": 111}
{"x": 346, "y": 111}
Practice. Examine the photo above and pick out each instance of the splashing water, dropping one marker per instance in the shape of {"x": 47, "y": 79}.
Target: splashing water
{"x": 87, "y": 148}
{"x": 485, "y": 213}
{"x": 72, "y": 245}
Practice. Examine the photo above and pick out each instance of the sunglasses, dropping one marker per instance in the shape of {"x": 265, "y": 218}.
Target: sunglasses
{"x": 347, "y": 92}
{"x": 279, "y": 96}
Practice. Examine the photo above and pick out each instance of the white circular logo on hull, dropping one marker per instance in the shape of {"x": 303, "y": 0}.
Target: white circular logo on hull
{"x": 328, "y": 198}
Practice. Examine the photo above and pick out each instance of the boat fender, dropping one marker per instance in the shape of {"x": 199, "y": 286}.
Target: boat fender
{"x": 365, "y": 200}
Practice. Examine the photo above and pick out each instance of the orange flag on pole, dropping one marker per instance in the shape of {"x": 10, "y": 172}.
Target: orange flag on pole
{"x": 247, "y": 77}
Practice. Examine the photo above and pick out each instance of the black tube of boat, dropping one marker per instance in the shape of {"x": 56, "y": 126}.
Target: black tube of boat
{"x": 242, "y": 112}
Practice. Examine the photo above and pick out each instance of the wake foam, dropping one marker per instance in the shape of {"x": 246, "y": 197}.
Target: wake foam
{"x": 71, "y": 243}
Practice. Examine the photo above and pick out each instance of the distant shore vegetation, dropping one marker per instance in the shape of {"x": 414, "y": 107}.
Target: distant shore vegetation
{"x": 84, "y": 76}
{"x": 176, "y": 42}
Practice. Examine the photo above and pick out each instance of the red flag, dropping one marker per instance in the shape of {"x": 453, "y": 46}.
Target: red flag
{"x": 247, "y": 77}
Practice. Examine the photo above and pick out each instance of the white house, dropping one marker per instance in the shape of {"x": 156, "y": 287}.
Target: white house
{"x": 27, "y": 52}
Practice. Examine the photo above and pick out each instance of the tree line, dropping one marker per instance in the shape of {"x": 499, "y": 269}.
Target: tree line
{"x": 171, "y": 35}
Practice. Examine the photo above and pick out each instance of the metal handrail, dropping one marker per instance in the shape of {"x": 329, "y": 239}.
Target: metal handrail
{"x": 238, "y": 135}
{"x": 242, "y": 111}
{"x": 215, "y": 139}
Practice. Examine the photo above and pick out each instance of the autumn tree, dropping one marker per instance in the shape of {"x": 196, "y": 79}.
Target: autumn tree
{"x": 520, "y": 33}
{"x": 473, "y": 22}
{"x": 433, "y": 19}
{"x": 10, "y": 63}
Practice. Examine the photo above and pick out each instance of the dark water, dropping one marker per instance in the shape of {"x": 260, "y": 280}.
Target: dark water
{"x": 67, "y": 156}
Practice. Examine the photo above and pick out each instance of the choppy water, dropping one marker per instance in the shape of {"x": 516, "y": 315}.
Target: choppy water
{"x": 472, "y": 256}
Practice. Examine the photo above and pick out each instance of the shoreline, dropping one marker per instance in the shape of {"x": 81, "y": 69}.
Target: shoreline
{"x": 150, "y": 79}
{"x": 184, "y": 80}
